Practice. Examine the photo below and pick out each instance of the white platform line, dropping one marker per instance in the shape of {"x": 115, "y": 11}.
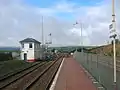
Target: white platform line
{"x": 95, "y": 82}
{"x": 56, "y": 77}
{"x": 100, "y": 87}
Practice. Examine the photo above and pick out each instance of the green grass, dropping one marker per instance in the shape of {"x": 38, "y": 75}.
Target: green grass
{"x": 12, "y": 65}
{"x": 9, "y": 51}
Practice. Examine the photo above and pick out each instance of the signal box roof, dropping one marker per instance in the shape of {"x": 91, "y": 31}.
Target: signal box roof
{"x": 27, "y": 40}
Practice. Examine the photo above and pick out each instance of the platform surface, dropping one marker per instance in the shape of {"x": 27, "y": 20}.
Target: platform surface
{"x": 73, "y": 77}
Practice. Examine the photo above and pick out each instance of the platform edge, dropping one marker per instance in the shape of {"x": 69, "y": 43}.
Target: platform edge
{"x": 52, "y": 87}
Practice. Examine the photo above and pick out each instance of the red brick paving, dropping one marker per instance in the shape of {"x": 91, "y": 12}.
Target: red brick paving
{"x": 72, "y": 77}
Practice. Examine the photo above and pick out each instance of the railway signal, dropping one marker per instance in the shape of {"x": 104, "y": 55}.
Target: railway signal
{"x": 113, "y": 35}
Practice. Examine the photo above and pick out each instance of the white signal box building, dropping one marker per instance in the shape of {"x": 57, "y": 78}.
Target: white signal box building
{"x": 30, "y": 49}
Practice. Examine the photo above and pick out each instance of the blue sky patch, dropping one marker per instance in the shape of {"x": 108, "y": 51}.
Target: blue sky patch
{"x": 51, "y": 4}
{"x": 48, "y": 3}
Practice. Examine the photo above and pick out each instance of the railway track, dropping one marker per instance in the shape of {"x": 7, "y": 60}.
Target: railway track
{"x": 6, "y": 81}
{"x": 37, "y": 78}
{"x": 11, "y": 73}
{"x": 44, "y": 81}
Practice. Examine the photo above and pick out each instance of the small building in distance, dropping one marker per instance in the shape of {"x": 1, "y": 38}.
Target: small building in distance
{"x": 30, "y": 49}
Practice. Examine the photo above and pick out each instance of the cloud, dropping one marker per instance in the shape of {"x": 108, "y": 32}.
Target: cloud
{"x": 98, "y": 18}
{"x": 19, "y": 20}
{"x": 57, "y": 8}
{"x": 65, "y": 7}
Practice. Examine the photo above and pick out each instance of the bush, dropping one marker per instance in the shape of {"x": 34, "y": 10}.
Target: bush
{"x": 109, "y": 54}
{"x": 5, "y": 56}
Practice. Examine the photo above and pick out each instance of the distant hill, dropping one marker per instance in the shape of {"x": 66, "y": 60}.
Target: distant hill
{"x": 9, "y": 48}
{"x": 74, "y": 47}
{"x": 71, "y": 48}
{"x": 106, "y": 50}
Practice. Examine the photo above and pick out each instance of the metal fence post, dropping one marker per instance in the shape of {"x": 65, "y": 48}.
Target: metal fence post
{"x": 88, "y": 63}
{"x": 91, "y": 60}
{"x": 98, "y": 68}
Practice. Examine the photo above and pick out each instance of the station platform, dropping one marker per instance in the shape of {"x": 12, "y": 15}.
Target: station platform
{"x": 72, "y": 77}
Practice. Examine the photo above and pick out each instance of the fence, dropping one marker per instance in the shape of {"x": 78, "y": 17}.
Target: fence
{"x": 100, "y": 67}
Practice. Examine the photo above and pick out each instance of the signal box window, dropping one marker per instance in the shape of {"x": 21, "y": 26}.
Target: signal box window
{"x": 30, "y": 45}
{"x": 22, "y": 45}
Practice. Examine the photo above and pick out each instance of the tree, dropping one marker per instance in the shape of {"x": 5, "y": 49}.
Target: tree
{"x": 53, "y": 50}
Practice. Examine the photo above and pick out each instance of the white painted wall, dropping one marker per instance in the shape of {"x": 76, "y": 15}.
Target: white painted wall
{"x": 29, "y": 51}
{"x": 32, "y": 53}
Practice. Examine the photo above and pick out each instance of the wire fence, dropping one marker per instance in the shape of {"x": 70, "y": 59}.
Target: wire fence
{"x": 100, "y": 67}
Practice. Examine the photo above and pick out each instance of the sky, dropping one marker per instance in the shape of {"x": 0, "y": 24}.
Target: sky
{"x": 20, "y": 19}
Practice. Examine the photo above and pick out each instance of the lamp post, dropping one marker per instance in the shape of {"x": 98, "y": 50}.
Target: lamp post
{"x": 50, "y": 38}
{"x": 42, "y": 32}
{"x": 80, "y": 35}
{"x": 42, "y": 37}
